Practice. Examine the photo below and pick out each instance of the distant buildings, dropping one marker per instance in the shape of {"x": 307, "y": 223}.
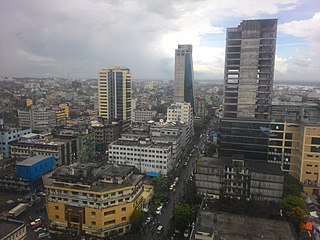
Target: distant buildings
{"x": 183, "y": 75}
{"x": 96, "y": 199}
{"x": 42, "y": 118}
{"x": 216, "y": 177}
{"x": 114, "y": 93}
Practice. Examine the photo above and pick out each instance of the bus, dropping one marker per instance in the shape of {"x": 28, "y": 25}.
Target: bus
{"x": 17, "y": 210}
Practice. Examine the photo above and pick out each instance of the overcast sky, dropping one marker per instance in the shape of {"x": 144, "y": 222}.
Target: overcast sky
{"x": 44, "y": 38}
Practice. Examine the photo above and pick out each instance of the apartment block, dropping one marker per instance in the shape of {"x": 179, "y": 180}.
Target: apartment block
{"x": 148, "y": 157}
{"x": 95, "y": 198}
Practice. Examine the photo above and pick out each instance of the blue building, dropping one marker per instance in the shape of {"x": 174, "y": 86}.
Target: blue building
{"x": 33, "y": 168}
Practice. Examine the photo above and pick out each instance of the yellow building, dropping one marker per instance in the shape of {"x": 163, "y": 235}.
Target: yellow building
{"x": 61, "y": 116}
{"x": 296, "y": 146}
{"x": 94, "y": 198}
{"x": 29, "y": 102}
{"x": 66, "y": 108}
{"x": 283, "y": 145}
{"x": 308, "y": 161}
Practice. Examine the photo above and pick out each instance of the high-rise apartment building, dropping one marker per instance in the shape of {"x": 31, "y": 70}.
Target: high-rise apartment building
{"x": 249, "y": 68}
{"x": 114, "y": 93}
{"x": 183, "y": 75}
{"x": 248, "y": 78}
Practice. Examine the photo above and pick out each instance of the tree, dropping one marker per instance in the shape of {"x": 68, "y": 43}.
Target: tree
{"x": 295, "y": 209}
{"x": 182, "y": 215}
{"x": 296, "y": 215}
{"x": 136, "y": 220}
{"x": 292, "y": 186}
{"x": 291, "y": 201}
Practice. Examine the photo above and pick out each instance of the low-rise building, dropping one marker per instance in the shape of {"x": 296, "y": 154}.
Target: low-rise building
{"x": 94, "y": 198}
{"x": 8, "y": 135}
{"x": 246, "y": 179}
{"x": 107, "y": 132}
{"x": 26, "y": 176}
{"x": 26, "y": 148}
{"x": 12, "y": 230}
{"x": 149, "y": 157}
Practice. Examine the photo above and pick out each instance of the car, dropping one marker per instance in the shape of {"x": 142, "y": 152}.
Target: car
{"x": 41, "y": 194}
{"x": 158, "y": 212}
{"x": 160, "y": 230}
{"x": 148, "y": 220}
{"x": 176, "y": 179}
{"x": 171, "y": 187}
{"x": 186, "y": 233}
{"x": 38, "y": 229}
{"x": 42, "y": 235}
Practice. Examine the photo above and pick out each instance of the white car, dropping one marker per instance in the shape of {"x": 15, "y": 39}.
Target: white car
{"x": 176, "y": 179}
{"x": 158, "y": 212}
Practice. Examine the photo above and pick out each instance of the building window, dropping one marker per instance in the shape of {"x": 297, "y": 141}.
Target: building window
{"x": 93, "y": 213}
{"x": 109, "y": 222}
{"x": 123, "y": 219}
{"x": 110, "y": 212}
{"x": 56, "y": 216}
{"x": 93, "y": 223}
{"x": 123, "y": 209}
{"x": 56, "y": 207}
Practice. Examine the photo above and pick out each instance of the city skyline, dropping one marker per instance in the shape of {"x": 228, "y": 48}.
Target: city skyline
{"x": 44, "y": 39}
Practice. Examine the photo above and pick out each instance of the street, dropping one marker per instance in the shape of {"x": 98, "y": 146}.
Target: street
{"x": 175, "y": 196}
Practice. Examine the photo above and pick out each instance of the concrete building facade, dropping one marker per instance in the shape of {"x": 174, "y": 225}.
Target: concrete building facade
{"x": 216, "y": 177}
{"x": 249, "y": 69}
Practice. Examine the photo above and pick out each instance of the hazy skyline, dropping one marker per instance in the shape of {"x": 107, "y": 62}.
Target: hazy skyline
{"x": 77, "y": 38}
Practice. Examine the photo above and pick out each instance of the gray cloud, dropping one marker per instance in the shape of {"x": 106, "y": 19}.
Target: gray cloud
{"x": 60, "y": 38}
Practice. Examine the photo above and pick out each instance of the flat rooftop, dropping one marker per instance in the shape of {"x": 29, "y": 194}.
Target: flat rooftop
{"x": 31, "y": 161}
{"x": 237, "y": 227}
{"x": 62, "y": 177}
{"x": 7, "y": 227}
{"x": 141, "y": 143}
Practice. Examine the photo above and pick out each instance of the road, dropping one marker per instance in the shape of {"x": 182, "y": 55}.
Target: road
{"x": 175, "y": 196}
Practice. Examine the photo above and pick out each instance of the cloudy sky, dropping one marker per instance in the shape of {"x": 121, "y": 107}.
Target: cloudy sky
{"x": 78, "y": 37}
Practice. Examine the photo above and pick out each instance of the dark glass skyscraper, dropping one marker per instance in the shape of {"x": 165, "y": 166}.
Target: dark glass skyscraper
{"x": 183, "y": 75}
